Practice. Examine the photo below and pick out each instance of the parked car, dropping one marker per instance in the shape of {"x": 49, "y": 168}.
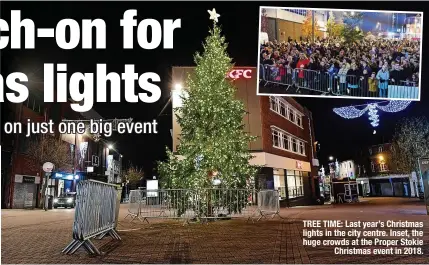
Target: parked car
{"x": 65, "y": 200}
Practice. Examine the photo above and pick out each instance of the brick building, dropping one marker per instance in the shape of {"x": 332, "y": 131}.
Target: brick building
{"x": 22, "y": 178}
{"x": 383, "y": 178}
{"x": 285, "y": 137}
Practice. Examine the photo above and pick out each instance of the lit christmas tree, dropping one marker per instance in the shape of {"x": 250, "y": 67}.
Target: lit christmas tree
{"x": 213, "y": 146}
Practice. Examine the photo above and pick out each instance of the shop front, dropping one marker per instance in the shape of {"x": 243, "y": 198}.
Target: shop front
{"x": 292, "y": 178}
{"x": 62, "y": 182}
{"x": 25, "y": 191}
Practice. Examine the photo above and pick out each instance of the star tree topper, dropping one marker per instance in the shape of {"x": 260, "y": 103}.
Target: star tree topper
{"x": 213, "y": 15}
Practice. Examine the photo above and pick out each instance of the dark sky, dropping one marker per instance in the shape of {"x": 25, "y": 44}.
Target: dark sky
{"x": 338, "y": 137}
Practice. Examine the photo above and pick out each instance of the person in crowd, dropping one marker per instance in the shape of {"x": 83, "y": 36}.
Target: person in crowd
{"x": 372, "y": 85}
{"x": 296, "y": 58}
{"x": 396, "y": 75}
{"x": 342, "y": 76}
{"x": 353, "y": 77}
{"x": 332, "y": 73}
{"x": 383, "y": 81}
{"x": 302, "y": 64}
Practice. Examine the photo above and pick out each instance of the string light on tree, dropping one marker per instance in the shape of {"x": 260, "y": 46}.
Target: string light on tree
{"x": 353, "y": 112}
{"x": 213, "y": 147}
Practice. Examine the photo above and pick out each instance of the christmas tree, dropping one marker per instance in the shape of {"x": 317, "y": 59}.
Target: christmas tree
{"x": 213, "y": 146}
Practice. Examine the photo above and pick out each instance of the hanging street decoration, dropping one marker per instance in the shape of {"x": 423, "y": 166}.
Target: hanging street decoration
{"x": 373, "y": 116}
{"x": 357, "y": 111}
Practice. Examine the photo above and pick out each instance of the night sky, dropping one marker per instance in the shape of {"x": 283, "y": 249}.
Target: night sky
{"x": 338, "y": 137}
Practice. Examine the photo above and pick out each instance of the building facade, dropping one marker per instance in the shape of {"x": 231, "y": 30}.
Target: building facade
{"x": 383, "y": 178}
{"x": 283, "y": 24}
{"x": 285, "y": 137}
{"x": 348, "y": 169}
{"x": 23, "y": 178}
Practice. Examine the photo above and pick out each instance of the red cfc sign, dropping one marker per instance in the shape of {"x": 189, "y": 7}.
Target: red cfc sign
{"x": 238, "y": 73}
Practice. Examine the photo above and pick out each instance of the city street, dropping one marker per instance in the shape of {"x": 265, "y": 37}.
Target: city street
{"x": 35, "y": 236}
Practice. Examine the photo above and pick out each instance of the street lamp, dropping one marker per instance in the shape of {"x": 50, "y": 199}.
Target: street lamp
{"x": 178, "y": 86}
{"x": 110, "y": 146}
{"x": 331, "y": 158}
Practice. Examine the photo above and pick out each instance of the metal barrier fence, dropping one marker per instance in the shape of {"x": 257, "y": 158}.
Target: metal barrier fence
{"x": 324, "y": 83}
{"x": 203, "y": 204}
{"x": 95, "y": 215}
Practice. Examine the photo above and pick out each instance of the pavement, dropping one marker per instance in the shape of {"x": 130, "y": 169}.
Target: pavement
{"x": 36, "y": 237}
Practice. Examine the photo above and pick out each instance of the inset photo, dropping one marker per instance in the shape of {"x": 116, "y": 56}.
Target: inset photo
{"x": 338, "y": 53}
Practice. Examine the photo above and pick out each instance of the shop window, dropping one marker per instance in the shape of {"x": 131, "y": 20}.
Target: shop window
{"x": 295, "y": 183}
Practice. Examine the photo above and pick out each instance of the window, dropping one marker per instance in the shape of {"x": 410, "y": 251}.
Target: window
{"x": 284, "y": 109}
{"x": 383, "y": 167}
{"x": 295, "y": 183}
{"x": 370, "y": 151}
{"x": 372, "y": 167}
{"x": 291, "y": 115}
{"x": 287, "y": 142}
{"x": 301, "y": 148}
{"x": 299, "y": 120}
{"x": 294, "y": 145}
{"x": 380, "y": 149}
{"x": 276, "y": 139}
{"x": 273, "y": 104}
{"x": 350, "y": 164}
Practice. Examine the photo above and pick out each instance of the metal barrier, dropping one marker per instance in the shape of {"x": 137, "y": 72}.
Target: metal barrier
{"x": 95, "y": 215}
{"x": 268, "y": 204}
{"x": 324, "y": 83}
{"x": 202, "y": 204}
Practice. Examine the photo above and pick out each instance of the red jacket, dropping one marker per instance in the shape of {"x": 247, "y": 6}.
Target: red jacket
{"x": 302, "y": 63}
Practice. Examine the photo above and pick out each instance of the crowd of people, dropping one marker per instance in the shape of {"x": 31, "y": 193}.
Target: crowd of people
{"x": 365, "y": 68}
